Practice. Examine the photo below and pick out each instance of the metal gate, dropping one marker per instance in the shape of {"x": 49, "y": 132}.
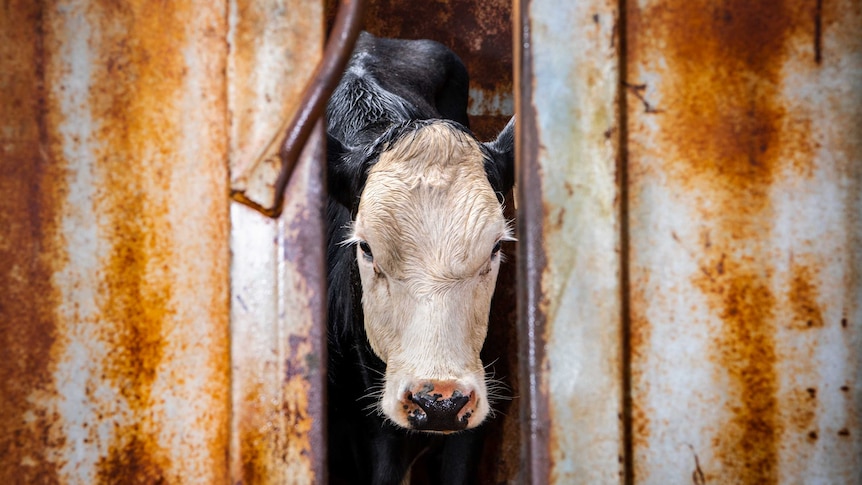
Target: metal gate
{"x": 689, "y": 265}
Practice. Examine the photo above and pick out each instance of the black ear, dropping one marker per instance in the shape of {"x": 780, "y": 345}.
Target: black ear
{"x": 500, "y": 165}
{"x": 340, "y": 173}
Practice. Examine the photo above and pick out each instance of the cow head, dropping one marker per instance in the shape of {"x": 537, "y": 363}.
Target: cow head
{"x": 427, "y": 231}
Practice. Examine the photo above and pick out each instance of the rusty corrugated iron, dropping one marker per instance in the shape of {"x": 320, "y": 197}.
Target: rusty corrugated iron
{"x": 569, "y": 232}
{"x": 744, "y": 155}
{"x": 115, "y": 242}
{"x": 278, "y": 334}
{"x": 277, "y": 271}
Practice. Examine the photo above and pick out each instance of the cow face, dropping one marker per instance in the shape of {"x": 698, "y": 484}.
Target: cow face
{"x": 427, "y": 233}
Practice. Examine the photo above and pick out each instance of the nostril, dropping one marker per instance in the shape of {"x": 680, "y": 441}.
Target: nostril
{"x": 438, "y": 406}
{"x": 433, "y": 404}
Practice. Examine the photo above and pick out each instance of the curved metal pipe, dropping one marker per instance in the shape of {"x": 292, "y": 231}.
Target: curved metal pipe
{"x": 339, "y": 46}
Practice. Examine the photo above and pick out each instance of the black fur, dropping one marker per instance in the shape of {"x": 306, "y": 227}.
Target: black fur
{"x": 390, "y": 88}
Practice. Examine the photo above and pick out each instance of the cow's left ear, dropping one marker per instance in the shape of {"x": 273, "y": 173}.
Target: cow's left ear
{"x": 500, "y": 166}
{"x": 342, "y": 171}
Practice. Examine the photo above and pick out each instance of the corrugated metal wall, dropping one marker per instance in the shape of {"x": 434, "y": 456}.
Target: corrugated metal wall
{"x": 135, "y": 298}
{"x": 689, "y": 202}
{"x": 690, "y": 241}
{"x": 115, "y": 294}
{"x": 744, "y": 168}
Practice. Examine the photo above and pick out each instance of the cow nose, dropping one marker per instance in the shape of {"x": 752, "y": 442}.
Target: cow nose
{"x": 438, "y": 406}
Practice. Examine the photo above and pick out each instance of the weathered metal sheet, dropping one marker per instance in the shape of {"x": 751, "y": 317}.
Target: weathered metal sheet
{"x": 277, "y": 269}
{"x": 744, "y": 157}
{"x": 114, "y": 301}
{"x": 569, "y": 232}
{"x": 278, "y": 335}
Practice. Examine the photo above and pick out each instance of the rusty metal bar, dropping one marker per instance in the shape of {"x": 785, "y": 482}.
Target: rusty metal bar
{"x": 531, "y": 262}
{"x": 311, "y": 107}
{"x": 570, "y": 295}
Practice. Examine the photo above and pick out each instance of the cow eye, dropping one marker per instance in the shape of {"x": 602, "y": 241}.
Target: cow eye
{"x": 366, "y": 250}
{"x": 496, "y": 250}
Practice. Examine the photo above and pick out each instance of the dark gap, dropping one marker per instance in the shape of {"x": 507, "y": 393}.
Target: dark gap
{"x": 625, "y": 283}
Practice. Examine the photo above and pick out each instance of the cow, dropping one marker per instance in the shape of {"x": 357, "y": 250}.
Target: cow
{"x": 415, "y": 227}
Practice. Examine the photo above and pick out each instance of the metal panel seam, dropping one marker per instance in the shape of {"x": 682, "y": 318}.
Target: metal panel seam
{"x": 625, "y": 281}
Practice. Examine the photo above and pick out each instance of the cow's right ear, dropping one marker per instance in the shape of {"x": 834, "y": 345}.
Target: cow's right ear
{"x": 500, "y": 165}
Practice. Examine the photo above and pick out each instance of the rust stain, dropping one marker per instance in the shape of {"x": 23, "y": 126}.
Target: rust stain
{"x": 259, "y": 433}
{"x": 255, "y": 455}
{"x": 304, "y": 373}
{"x": 725, "y": 136}
{"x": 257, "y": 113}
{"x": 136, "y": 303}
{"x": 640, "y": 331}
{"x": 533, "y": 301}
{"x": 720, "y": 104}
{"x": 803, "y": 297}
{"x": 132, "y": 459}
{"x": 296, "y": 411}
{"x": 32, "y": 183}
{"x": 748, "y": 443}
{"x": 139, "y": 74}
{"x": 801, "y": 404}
{"x": 276, "y": 428}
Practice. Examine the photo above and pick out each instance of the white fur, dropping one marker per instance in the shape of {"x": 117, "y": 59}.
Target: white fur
{"x": 431, "y": 220}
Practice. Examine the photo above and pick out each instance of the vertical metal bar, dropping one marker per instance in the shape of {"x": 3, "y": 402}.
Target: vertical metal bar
{"x": 567, "y": 68}
{"x": 745, "y": 157}
{"x": 531, "y": 262}
{"x": 277, "y": 272}
{"x": 114, "y": 173}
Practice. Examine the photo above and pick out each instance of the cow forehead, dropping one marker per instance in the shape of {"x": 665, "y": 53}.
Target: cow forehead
{"x": 427, "y": 202}
{"x": 432, "y": 154}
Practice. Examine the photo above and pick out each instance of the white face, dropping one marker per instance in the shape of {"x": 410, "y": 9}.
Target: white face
{"x": 427, "y": 233}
